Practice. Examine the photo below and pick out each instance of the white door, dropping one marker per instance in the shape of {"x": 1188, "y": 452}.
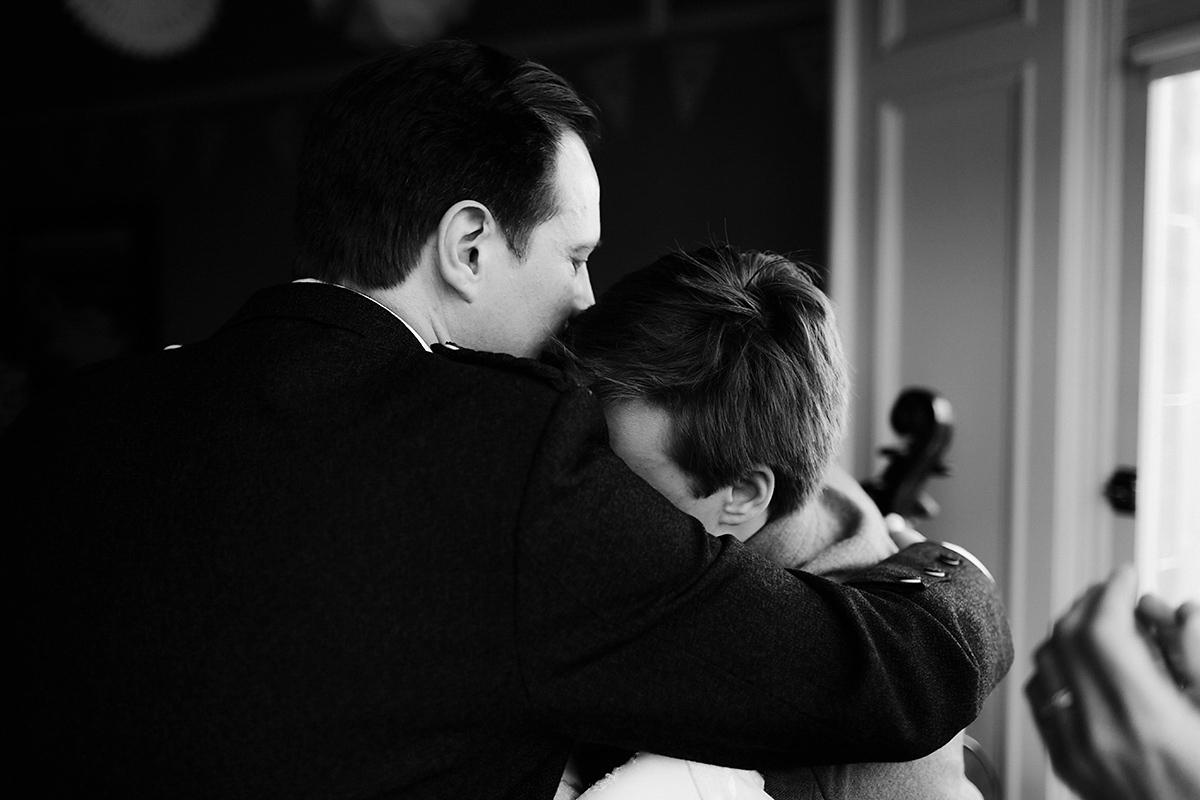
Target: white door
{"x": 977, "y": 250}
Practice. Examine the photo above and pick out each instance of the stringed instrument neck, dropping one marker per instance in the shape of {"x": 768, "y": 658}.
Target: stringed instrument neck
{"x": 924, "y": 422}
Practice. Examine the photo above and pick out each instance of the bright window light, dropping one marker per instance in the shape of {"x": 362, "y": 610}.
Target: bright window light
{"x": 1168, "y": 485}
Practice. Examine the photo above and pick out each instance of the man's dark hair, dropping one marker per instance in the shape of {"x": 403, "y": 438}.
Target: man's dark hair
{"x": 739, "y": 348}
{"x": 396, "y": 142}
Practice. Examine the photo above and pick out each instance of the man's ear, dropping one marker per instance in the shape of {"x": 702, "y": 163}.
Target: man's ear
{"x": 463, "y": 230}
{"x": 749, "y": 496}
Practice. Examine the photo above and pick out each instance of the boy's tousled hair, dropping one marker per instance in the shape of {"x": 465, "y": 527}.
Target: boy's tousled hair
{"x": 739, "y": 348}
{"x": 398, "y": 141}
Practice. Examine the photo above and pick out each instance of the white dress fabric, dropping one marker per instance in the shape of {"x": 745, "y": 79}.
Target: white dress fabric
{"x": 648, "y": 776}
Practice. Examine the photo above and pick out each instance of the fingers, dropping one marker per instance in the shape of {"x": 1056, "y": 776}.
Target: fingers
{"x": 1065, "y": 693}
{"x": 901, "y": 532}
{"x": 1175, "y": 634}
{"x": 1100, "y": 625}
{"x": 1101, "y": 691}
{"x": 1185, "y": 656}
{"x": 1078, "y": 616}
{"x": 1118, "y": 594}
{"x": 1052, "y": 699}
{"x": 1048, "y": 689}
{"x": 1188, "y": 618}
{"x": 1157, "y": 612}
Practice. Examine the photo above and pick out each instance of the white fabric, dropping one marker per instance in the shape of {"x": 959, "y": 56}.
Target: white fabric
{"x": 647, "y": 776}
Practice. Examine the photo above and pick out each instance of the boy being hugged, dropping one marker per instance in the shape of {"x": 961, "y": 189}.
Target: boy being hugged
{"x": 725, "y": 387}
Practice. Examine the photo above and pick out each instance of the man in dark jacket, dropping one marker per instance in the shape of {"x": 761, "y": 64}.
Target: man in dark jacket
{"x": 357, "y": 544}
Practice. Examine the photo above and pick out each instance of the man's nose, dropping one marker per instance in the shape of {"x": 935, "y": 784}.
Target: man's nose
{"x": 584, "y": 297}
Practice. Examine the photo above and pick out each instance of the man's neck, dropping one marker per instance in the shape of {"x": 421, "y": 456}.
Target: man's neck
{"x": 407, "y": 302}
{"x": 384, "y": 299}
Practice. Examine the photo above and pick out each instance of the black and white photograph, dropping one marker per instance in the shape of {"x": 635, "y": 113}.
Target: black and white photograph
{"x": 602, "y": 399}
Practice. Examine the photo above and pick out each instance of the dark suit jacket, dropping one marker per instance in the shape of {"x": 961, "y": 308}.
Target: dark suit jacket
{"x": 305, "y": 558}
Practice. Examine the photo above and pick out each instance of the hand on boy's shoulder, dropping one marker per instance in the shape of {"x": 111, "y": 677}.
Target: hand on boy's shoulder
{"x": 894, "y": 526}
{"x": 904, "y": 534}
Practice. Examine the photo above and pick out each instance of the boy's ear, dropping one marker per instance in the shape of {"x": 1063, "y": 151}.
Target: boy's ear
{"x": 463, "y": 236}
{"x": 749, "y": 496}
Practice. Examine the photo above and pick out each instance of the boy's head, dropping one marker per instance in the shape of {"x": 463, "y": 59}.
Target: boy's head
{"x": 723, "y": 380}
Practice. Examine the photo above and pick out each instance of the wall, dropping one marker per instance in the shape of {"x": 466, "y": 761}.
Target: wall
{"x": 716, "y": 117}
{"x": 977, "y": 178}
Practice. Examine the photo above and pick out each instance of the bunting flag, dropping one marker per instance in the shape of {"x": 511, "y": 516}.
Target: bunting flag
{"x": 691, "y": 66}
{"x": 611, "y": 82}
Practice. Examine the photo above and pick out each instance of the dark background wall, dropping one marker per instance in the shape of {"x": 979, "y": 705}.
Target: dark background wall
{"x": 145, "y": 198}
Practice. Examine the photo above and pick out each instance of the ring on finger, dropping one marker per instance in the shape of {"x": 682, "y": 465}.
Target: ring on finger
{"x": 1061, "y": 700}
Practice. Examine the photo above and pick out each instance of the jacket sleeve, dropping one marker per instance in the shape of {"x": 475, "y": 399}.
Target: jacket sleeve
{"x": 638, "y": 630}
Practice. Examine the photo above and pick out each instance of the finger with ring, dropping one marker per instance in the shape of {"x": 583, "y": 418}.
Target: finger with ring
{"x": 1059, "y": 701}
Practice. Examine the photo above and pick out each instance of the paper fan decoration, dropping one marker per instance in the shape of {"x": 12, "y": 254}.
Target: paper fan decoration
{"x": 147, "y": 28}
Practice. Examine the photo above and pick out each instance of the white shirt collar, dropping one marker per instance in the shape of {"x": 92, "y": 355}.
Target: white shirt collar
{"x": 411, "y": 329}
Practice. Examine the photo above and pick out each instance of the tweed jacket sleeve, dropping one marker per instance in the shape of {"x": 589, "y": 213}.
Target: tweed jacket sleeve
{"x": 637, "y": 629}
{"x": 304, "y": 558}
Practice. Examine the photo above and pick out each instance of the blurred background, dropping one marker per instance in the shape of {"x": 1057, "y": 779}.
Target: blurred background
{"x": 1002, "y": 197}
{"x": 151, "y": 146}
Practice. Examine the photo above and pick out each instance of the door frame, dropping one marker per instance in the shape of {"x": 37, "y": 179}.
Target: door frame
{"x": 1064, "y": 403}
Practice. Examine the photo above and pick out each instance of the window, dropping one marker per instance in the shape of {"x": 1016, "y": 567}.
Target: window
{"x": 1168, "y": 516}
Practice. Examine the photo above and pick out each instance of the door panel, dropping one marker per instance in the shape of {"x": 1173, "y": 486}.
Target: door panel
{"x": 985, "y": 163}
{"x": 947, "y": 156}
{"x": 947, "y": 272}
